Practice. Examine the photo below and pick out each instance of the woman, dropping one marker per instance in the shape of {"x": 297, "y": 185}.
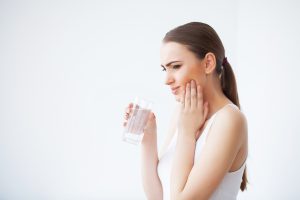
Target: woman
{"x": 205, "y": 151}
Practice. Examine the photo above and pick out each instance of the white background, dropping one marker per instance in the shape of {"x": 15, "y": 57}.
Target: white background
{"x": 69, "y": 68}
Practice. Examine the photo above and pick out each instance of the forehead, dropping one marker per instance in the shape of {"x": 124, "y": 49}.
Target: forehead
{"x": 171, "y": 51}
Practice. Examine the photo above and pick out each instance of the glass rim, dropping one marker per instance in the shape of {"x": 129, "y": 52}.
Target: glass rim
{"x": 141, "y": 108}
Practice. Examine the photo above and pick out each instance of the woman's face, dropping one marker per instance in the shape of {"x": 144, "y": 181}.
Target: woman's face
{"x": 181, "y": 66}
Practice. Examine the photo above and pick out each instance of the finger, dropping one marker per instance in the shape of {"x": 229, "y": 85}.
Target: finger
{"x": 187, "y": 100}
{"x": 129, "y": 108}
{"x": 182, "y": 98}
{"x": 152, "y": 116}
{"x": 126, "y": 116}
{"x": 199, "y": 96}
{"x": 193, "y": 94}
{"x": 130, "y": 105}
{"x": 128, "y": 111}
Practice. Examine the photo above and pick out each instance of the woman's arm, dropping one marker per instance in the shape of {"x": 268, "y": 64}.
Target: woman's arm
{"x": 150, "y": 179}
{"x": 150, "y": 158}
{"x": 151, "y": 182}
{"x": 199, "y": 181}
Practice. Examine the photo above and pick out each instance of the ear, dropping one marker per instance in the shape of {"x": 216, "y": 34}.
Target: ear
{"x": 210, "y": 62}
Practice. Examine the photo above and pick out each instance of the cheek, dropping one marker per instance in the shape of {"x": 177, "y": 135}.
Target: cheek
{"x": 184, "y": 77}
{"x": 187, "y": 74}
{"x": 199, "y": 77}
{"x": 199, "y": 80}
{"x": 183, "y": 82}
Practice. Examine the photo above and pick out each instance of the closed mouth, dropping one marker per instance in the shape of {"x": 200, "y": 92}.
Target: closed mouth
{"x": 174, "y": 89}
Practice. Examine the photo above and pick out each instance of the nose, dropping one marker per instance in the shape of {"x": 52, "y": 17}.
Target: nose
{"x": 169, "y": 79}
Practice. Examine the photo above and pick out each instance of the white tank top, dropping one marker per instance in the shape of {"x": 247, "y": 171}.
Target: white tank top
{"x": 229, "y": 186}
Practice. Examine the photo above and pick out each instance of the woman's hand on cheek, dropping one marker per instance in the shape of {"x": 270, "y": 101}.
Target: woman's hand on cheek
{"x": 193, "y": 110}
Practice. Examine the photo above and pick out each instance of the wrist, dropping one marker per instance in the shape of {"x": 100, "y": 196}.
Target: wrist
{"x": 187, "y": 133}
{"x": 149, "y": 137}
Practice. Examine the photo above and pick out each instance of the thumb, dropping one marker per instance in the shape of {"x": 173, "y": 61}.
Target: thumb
{"x": 152, "y": 116}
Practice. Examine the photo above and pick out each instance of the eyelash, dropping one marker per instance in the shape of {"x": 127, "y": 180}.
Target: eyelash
{"x": 174, "y": 67}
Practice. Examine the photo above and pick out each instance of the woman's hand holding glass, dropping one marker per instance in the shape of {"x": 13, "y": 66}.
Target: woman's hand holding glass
{"x": 150, "y": 128}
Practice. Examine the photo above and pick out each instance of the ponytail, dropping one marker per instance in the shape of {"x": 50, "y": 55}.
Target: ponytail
{"x": 229, "y": 88}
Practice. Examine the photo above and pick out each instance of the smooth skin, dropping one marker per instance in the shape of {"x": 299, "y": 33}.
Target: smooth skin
{"x": 200, "y": 95}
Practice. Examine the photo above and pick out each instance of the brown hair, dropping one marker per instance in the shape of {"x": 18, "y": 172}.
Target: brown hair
{"x": 200, "y": 38}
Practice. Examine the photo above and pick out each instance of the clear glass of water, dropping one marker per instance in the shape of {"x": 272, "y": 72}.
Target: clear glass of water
{"x": 134, "y": 130}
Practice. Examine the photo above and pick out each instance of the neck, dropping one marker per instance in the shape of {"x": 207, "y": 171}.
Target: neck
{"x": 215, "y": 98}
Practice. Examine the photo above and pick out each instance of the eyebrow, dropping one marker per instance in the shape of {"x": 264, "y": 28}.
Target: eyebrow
{"x": 171, "y": 63}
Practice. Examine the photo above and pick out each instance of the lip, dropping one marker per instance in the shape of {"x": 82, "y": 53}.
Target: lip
{"x": 174, "y": 89}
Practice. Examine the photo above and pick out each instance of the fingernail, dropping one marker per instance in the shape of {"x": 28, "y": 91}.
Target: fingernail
{"x": 194, "y": 82}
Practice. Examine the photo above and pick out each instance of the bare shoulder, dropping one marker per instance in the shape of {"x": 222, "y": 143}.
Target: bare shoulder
{"x": 232, "y": 114}
{"x": 231, "y": 123}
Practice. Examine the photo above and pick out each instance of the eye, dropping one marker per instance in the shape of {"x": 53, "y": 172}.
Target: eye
{"x": 163, "y": 69}
{"x": 176, "y": 66}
